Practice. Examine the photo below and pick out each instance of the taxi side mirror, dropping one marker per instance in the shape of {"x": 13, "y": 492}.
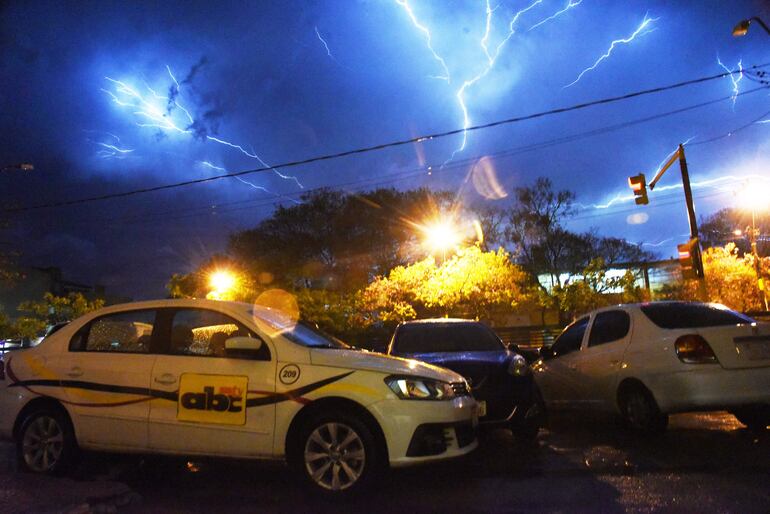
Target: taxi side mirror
{"x": 244, "y": 347}
{"x": 243, "y": 343}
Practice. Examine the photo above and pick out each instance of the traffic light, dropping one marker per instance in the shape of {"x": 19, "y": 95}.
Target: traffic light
{"x": 638, "y": 185}
{"x": 688, "y": 258}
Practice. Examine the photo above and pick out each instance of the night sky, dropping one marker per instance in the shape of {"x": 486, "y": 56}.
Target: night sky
{"x": 106, "y": 97}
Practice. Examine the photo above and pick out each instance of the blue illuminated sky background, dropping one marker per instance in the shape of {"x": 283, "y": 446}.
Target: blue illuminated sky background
{"x": 290, "y": 80}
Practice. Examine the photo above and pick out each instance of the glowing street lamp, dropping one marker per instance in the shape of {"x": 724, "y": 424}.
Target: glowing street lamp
{"x": 221, "y": 283}
{"x": 742, "y": 28}
{"x": 442, "y": 236}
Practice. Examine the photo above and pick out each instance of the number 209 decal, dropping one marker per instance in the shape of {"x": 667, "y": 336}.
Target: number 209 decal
{"x": 212, "y": 399}
{"x": 289, "y": 374}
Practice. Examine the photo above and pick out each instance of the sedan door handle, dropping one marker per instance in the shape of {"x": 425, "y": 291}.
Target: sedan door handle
{"x": 76, "y": 371}
{"x": 166, "y": 378}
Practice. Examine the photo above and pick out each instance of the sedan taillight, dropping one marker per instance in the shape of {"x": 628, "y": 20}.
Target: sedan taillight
{"x": 693, "y": 349}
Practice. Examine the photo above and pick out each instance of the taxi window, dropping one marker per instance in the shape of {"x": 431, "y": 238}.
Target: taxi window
{"x": 122, "y": 332}
{"x": 204, "y": 332}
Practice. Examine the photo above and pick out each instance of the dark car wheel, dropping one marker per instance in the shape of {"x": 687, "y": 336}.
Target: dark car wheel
{"x": 528, "y": 426}
{"x": 640, "y": 411}
{"x": 755, "y": 418}
{"x": 46, "y": 442}
{"x": 337, "y": 454}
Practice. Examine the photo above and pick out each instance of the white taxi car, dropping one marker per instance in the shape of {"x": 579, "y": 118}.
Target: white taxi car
{"x": 200, "y": 377}
{"x": 647, "y": 360}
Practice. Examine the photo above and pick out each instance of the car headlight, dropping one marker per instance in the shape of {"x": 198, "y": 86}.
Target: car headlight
{"x": 518, "y": 366}
{"x": 416, "y": 388}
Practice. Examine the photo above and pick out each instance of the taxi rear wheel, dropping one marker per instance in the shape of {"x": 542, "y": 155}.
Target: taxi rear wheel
{"x": 46, "y": 442}
{"x": 337, "y": 454}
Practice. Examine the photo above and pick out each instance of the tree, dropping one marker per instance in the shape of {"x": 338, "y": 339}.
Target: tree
{"x": 52, "y": 309}
{"x": 544, "y": 247}
{"x": 472, "y": 283}
{"x": 594, "y": 289}
{"x": 730, "y": 280}
{"x": 719, "y": 229}
{"x": 335, "y": 240}
{"x": 197, "y": 284}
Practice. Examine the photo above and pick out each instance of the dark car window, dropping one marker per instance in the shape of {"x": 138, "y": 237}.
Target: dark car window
{"x": 692, "y": 315}
{"x": 570, "y": 340}
{"x": 204, "y": 332}
{"x": 122, "y": 332}
{"x": 609, "y": 326}
{"x": 445, "y": 337}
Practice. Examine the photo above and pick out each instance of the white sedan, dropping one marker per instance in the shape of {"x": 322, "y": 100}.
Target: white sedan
{"x": 647, "y": 360}
{"x": 199, "y": 377}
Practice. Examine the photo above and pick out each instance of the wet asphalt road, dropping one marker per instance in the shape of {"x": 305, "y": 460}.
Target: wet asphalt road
{"x": 704, "y": 463}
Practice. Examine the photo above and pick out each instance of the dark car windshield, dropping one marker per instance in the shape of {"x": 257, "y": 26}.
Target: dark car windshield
{"x": 445, "y": 337}
{"x": 692, "y": 315}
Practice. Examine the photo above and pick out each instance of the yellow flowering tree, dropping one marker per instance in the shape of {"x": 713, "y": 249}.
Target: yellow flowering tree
{"x": 472, "y": 283}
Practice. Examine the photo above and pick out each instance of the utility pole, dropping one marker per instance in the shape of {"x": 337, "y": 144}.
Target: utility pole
{"x": 697, "y": 258}
{"x": 694, "y": 252}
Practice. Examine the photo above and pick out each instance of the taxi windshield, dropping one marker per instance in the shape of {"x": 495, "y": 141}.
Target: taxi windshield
{"x": 277, "y": 322}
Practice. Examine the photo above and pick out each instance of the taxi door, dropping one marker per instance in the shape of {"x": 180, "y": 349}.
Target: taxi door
{"x": 557, "y": 375}
{"x": 211, "y": 402}
{"x": 106, "y": 378}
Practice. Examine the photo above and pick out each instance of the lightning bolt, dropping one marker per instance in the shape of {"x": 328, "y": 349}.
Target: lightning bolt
{"x": 570, "y": 5}
{"x": 732, "y": 78}
{"x": 661, "y": 243}
{"x": 645, "y": 22}
{"x": 428, "y": 39}
{"x": 323, "y": 41}
{"x": 147, "y": 109}
{"x": 209, "y": 165}
{"x": 114, "y": 148}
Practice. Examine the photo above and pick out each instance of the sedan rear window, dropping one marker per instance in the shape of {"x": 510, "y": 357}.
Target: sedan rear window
{"x": 692, "y": 315}
{"x": 445, "y": 337}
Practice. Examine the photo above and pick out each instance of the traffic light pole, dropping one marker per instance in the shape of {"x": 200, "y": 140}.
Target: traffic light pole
{"x": 697, "y": 260}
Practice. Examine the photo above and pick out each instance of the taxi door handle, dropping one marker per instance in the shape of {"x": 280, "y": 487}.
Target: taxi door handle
{"x": 166, "y": 378}
{"x": 75, "y": 372}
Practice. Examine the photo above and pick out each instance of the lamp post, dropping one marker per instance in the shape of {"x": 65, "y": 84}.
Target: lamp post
{"x": 742, "y": 28}
{"x": 753, "y": 197}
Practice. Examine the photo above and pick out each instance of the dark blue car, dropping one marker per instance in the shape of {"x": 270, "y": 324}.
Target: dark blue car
{"x": 499, "y": 378}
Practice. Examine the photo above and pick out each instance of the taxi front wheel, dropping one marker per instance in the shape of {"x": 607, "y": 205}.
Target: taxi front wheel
{"x": 46, "y": 442}
{"x": 337, "y": 453}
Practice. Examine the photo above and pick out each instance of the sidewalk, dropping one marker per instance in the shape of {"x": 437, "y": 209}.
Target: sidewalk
{"x": 27, "y": 493}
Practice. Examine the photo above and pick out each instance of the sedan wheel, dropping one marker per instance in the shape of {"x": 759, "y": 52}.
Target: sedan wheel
{"x": 641, "y": 413}
{"x": 45, "y": 443}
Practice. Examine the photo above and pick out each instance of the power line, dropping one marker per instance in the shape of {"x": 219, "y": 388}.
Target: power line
{"x": 383, "y": 146}
{"x": 216, "y": 209}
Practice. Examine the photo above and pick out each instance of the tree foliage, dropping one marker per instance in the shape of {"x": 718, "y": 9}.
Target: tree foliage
{"x": 719, "y": 229}
{"x": 471, "y": 283}
{"x": 594, "y": 289}
{"x": 335, "y": 240}
{"x": 52, "y": 309}
{"x": 730, "y": 280}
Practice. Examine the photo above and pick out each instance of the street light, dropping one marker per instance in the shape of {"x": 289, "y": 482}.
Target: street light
{"x": 742, "y": 28}
{"x": 221, "y": 283}
{"x": 755, "y": 198}
{"x": 441, "y": 236}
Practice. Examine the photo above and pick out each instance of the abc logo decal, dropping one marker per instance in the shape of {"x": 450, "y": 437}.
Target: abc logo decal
{"x": 217, "y": 399}
{"x": 207, "y": 400}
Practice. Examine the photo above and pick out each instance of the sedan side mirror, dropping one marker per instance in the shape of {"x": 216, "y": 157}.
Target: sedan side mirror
{"x": 546, "y": 352}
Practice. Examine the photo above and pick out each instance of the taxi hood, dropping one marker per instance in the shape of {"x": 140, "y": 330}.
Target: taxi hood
{"x": 370, "y": 361}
